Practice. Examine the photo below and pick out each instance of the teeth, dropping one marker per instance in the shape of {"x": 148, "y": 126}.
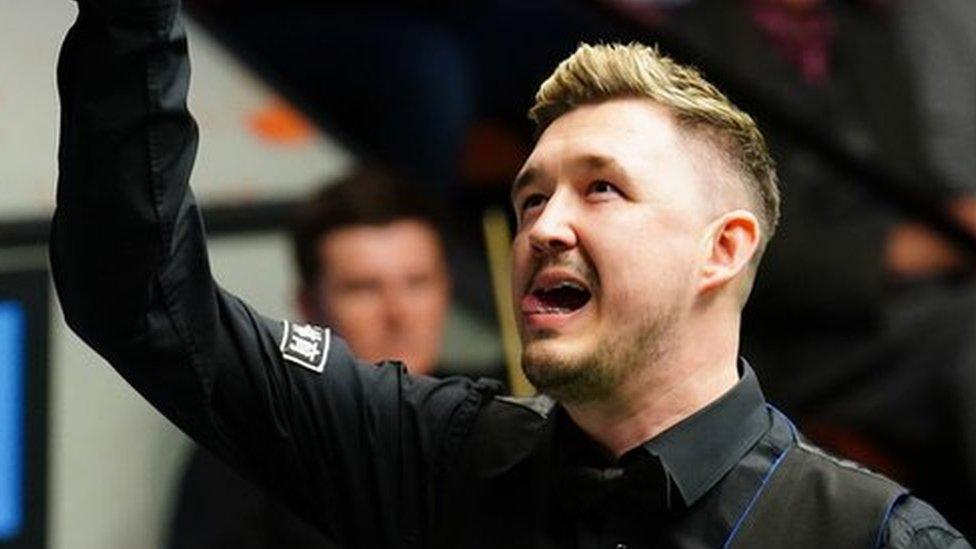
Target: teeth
{"x": 565, "y": 284}
{"x": 571, "y": 285}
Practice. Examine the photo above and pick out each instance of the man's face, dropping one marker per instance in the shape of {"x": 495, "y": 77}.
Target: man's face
{"x": 386, "y": 290}
{"x": 611, "y": 211}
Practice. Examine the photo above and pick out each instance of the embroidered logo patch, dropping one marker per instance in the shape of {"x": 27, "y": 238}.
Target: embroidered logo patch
{"x": 305, "y": 345}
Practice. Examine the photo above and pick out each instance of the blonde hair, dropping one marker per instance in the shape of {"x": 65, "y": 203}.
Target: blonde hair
{"x": 601, "y": 72}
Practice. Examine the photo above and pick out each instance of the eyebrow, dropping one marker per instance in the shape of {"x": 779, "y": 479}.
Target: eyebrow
{"x": 590, "y": 161}
{"x": 598, "y": 162}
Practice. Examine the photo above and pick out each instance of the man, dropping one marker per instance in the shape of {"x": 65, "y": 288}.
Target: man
{"x": 372, "y": 265}
{"x": 642, "y": 210}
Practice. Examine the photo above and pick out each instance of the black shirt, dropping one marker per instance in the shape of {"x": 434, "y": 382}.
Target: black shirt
{"x": 370, "y": 455}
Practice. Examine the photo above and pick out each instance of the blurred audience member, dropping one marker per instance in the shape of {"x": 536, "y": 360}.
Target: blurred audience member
{"x": 372, "y": 266}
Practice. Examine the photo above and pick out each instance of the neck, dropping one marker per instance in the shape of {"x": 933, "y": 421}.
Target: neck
{"x": 661, "y": 395}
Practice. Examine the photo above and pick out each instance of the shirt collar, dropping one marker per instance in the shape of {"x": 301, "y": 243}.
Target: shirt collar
{"x": 701, "y": 449}
{"x": 695, "y": 453}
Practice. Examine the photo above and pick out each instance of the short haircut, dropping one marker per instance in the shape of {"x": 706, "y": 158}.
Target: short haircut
{"x": 368, "y": 196}
{"x": 602, "y": 72}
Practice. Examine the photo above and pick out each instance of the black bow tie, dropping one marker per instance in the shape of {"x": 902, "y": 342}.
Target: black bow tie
{"x": 640, "y": 483}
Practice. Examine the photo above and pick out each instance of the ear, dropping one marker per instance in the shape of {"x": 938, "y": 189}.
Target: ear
{"x": 730, "y": 243}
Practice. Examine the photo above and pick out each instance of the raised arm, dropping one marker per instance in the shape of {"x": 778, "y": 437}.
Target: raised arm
{"x": 285, "y": 404}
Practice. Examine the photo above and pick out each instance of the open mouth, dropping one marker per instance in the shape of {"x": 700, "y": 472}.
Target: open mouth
{"x": 561, "y": 298}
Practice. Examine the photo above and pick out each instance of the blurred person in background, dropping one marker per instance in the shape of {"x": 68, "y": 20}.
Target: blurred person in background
{"x": 372, "y": 266}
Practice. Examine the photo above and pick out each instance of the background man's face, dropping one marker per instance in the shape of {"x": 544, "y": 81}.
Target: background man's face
{"x": 386, "y": 290}
{"x": 611, "y": 212}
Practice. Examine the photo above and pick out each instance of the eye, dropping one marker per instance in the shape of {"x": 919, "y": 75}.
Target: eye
{"x": 532, "y": 201}
{"x": 602, "y": 186}
{"x": 420, "y": 281}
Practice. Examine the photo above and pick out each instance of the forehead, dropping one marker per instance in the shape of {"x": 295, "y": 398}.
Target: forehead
{"x": 403, "y": 244}
{"x": 626, "y": 131}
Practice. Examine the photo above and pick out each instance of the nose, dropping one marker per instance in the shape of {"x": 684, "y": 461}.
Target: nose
{"x": 396, "y": 307}
{"x": 553, "y": 231}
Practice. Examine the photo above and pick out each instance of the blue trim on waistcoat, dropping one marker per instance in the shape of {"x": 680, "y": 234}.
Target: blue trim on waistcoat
{"x": 765, "y": 480}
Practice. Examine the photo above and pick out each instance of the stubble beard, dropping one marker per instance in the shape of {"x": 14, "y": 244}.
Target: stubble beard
{"x": 598, "y": 375}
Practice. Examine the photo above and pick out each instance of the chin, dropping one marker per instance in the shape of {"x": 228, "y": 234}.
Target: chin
{"x": 566, "y": 373}
{"x": 552, "y": 351}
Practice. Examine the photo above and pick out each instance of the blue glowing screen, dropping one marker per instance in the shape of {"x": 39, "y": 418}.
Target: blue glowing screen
{"x": 13, "y": 331}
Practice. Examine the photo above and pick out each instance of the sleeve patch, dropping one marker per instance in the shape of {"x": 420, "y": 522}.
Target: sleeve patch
{"x": 305, "y": 345}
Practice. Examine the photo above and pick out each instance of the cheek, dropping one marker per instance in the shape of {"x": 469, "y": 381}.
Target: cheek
{"x": 521, "y": 261}
{"x": 428, "y": 309}
{"x": 638, "y": 268}
{"x": 354, "y": 313}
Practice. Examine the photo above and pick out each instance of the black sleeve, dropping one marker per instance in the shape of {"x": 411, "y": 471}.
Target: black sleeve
{"x": 350, "y": 446}
{"x": 914, "y": 524}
